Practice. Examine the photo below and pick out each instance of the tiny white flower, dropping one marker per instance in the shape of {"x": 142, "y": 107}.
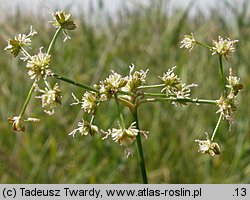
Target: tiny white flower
{"x": 111, "y": 85}
{"x": 85, "y": 128}
{"x": 135, "y": 79}
{"x": 38, "y": 66}
{"x": 223, "y": 46}
{"x": 188, "y": 42}
{"x": 208, "y": 147}
{"x": 124, "y": 137}
{"x": 51, "y": 98}
{"x": 227, "y": 106}
{"x": 21, "y": 40}
{"x": 90, "y": 102}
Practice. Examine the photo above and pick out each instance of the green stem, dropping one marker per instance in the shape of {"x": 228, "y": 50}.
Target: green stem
{"x": 216, "y": 127}
{"x": 120, "y": 112}
{"x": 181, "y": 100}
{"x": 52, "y": 43}
{"x": 204, "y": 45}
{"x": 156, "y": 94}
{"x": 126, "y": 103}
{"x": 84, "y": 86}
{"x": 223, "y": 86}
{"x": 25, "y": 53}
{"x": 140, "y": 150}
{"x": 151, "y": 86}
{"x": 33, "y": 85}
{"x": 126, "y": 93}
{"x": 27, "y": 100}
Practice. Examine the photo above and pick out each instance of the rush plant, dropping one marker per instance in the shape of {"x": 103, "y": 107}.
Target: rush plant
{"x": 130, "y": 91}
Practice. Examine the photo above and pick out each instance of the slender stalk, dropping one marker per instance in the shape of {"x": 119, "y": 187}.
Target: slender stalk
{"x": 120, "y": 112}
{"x": 156, "y": 94}
{"x": 151, "y": 86}
{"x": 27, "y": 100}
{"x": 204, "y": 45}
{"x": 181, "y": 100}
{"x": 216, "y": 127}
{"x": 84, "y": 86}
{"x": 52, "y": 43}
{"x": 223, "y": 86}
{"x": 92, "y": 119}
{"x": 140, "y": 150}
{"x": 25, "y": 53}
{"x": 126, "y": 93}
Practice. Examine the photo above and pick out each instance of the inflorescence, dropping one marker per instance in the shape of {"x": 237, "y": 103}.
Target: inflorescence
{"x": 129, "y": 90}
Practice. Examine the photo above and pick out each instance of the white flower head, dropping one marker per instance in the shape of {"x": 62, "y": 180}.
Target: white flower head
{"x": 111, "y": 85}
{"x": 208, "y": 147}
{"x": 171, "y": 81}
{"x": 135, "y": 79}
{"x": 234, "y": 83}
{"x": 51, "y": 98}
{"x": 90, "y": 102}
{"x": 21, "y": 40}
{"x": 85, "y": 128}
{"x": 38, "y": 66}
{"x": 227, "y": 106}
{"x": 174, "y": 86}
{"x": 184, "y": 90}
{"x": 223, "y": 46}
{"x": 188, "y": 42}
{"x": 124, "y": 137}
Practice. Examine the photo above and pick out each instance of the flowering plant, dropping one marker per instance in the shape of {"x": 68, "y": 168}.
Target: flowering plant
{"x": 130, "y": 91}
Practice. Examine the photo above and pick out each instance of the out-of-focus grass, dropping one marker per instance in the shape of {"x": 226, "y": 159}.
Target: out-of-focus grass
{"x": 150, "y": 39}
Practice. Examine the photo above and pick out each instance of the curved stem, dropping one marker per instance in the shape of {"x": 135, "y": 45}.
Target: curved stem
{"x": 126, "y": 103}
{"x": 27, "y": 100}
{"x": 140, "y": 150}
{"x": 52, "y": 43}
{"x": 216, "y": 127}
{"x": 84, "y": 86}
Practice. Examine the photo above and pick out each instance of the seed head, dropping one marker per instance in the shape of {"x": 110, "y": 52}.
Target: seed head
{"x": 62, "y": 19}
{"x": 17, "y": 123}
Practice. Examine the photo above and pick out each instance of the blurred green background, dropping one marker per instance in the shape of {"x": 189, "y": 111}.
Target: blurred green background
{"x": 148, "y": 36}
